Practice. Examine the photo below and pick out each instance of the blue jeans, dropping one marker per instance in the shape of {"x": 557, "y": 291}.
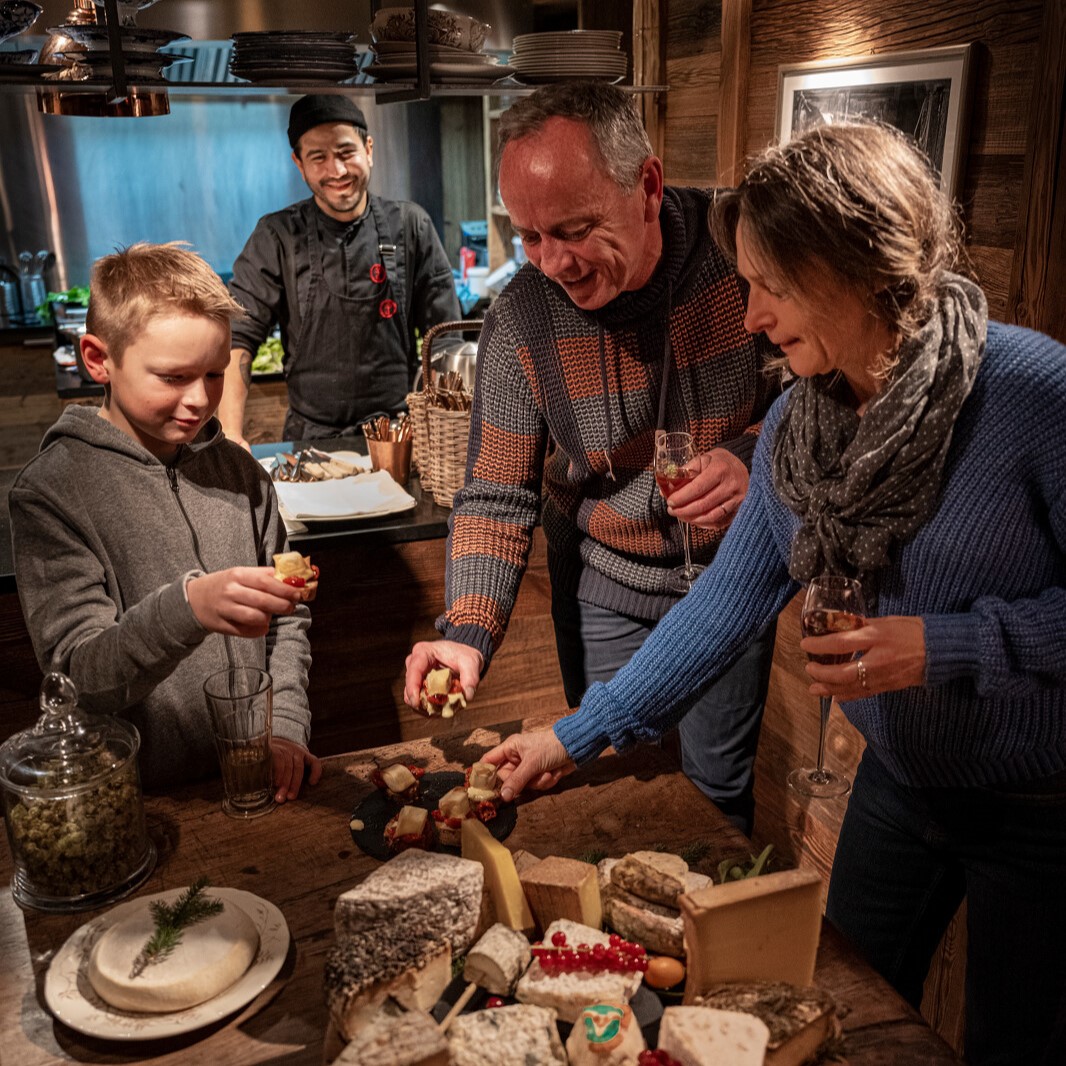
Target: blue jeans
{"x": 905, "y": 859}
{"x": 720, "y": 730}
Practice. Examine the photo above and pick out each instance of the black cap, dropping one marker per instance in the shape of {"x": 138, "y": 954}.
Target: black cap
{"x": 319, "y": 108}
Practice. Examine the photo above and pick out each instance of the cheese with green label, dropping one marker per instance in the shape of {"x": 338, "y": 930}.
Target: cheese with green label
{"x": 606, "y": 1034}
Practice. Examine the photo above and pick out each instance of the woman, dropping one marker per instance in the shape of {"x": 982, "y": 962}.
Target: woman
{"x": 923, "y": 451}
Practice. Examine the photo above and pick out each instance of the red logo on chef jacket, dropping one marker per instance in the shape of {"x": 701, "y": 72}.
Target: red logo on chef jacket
{"x": 387, "y": 308}
{"x": 377, "y": 273}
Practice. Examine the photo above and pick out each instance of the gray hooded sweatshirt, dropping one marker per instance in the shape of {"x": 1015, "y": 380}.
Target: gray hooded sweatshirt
{"x": 105, "y": 537}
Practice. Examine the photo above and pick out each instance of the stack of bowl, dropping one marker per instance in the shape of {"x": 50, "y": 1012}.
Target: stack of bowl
{"x": 456, "y": 44}
{"x": 140, "y": 50}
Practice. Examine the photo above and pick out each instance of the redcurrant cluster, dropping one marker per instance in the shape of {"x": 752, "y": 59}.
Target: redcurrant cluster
{"x": 616, "y": 956}
{"x": 655, "y": 1058}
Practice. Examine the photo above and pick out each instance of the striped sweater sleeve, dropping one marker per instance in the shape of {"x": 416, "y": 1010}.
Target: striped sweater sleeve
{"x": 491, "y": 526}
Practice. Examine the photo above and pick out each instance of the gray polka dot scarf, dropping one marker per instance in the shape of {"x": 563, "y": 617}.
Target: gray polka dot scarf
{"x": 864, "y": 485}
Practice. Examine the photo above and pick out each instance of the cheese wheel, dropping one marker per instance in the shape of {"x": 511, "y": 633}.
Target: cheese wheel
{"x": 211, "y": 955}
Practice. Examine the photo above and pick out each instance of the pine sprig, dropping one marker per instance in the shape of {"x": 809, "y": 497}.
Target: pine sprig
{"x": 171, "y": 921}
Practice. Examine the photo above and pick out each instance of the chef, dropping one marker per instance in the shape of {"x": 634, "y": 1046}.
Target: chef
{"x": 349, "y": 278}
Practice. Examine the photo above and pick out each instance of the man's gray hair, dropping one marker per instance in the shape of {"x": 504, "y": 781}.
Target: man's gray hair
{"x": 610, "y": 114}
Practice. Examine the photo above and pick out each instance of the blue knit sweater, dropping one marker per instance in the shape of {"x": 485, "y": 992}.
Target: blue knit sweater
{"x": 987, "y": 573}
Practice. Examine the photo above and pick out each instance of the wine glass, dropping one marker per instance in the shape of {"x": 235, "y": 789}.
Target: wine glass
{"x": 832, "y": 605}
{"x": 675, "y": 465}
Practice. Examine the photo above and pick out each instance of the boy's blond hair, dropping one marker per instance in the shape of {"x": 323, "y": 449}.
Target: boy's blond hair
{"x": 134, "y": 285}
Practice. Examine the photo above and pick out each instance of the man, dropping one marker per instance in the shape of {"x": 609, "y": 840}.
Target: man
{"x": 348, "y": 276}
{"x": 626, "y": 321}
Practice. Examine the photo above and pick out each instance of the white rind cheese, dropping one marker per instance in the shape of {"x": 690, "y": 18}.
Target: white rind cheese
{"x": 569, "y": 993}
{"x": 703, "y": 1036}
{"x": 506, "y": 1036}
{"x": 360, "y": 975}
{"x": 425, "y": 893}
{"x": 497, "y": 960}
{"x": 211, "y": 955}
{"x": 411, "y": 1039}
{"x": 661, "y": 935}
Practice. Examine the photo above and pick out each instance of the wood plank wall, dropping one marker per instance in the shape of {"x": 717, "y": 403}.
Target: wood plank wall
{"x": 1008, "y": 35}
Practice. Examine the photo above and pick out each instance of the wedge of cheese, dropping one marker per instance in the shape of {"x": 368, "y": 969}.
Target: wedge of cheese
{"x": 801, "y": 1020}
{"x": 508, "y": 902}
{"x": 426, "y": 893}
{"x": 409, "y": 1039}
{"x": 506, "y": 1036}
{"x": 557, "y": 887}
{"x": 211, "y": 955}
{"x": 703, "y": 1036}
{"x": 763, "y": 928}
{"x": 360, "y": 975}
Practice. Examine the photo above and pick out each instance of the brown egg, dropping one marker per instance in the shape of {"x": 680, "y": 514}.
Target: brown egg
{"x": 664, "y": 972}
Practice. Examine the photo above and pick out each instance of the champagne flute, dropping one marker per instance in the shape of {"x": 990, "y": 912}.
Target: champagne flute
{"x": 675, "y": 465}
{"x": 832, "y": 605}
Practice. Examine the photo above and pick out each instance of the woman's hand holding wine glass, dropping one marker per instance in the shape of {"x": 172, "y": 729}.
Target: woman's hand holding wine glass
{"x": 832, "y": 605}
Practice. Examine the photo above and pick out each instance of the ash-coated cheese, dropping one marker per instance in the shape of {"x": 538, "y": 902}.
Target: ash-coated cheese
{"x": 426, "y": 893}
{"x": 497, "y": 960}
{"x": 211, "y": 955}
{"x": 518, "y": 1035}
{"x": 409, "y": 1039}
{"x": 360, "y": 975}
{"x": 703, "y": 1036}
{"x": 569, "y": 993}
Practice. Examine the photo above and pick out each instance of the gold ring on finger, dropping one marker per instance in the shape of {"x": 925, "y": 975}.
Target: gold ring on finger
{"x": 860, "y": 670}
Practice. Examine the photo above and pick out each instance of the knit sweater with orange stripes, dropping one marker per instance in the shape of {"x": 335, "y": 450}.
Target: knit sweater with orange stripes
{"x": 565, "y": 411}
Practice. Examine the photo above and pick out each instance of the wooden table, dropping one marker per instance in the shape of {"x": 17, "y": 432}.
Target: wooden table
{"x": 302, "y": 857}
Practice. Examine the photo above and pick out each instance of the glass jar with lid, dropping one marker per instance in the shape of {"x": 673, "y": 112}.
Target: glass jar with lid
{"x": 73, "y": 806}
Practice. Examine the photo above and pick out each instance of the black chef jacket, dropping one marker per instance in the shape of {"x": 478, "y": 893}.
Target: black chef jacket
{"x": 347, "y": 297}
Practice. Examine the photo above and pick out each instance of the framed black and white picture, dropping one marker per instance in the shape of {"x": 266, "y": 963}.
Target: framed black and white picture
{"x": 924, "y": 94}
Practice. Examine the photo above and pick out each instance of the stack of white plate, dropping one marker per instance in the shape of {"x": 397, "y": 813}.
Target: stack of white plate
{"x": 447, "y": 64}
{"x": 592, "y": 55}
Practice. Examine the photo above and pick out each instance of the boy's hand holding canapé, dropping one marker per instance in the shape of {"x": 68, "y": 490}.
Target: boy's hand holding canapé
{"x": 241, "y": 601}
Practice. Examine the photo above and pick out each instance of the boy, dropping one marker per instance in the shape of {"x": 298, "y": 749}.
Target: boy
{"x": 142, "y": 537}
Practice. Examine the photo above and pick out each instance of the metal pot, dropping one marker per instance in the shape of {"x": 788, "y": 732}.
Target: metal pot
{"x": 460, "y": 357}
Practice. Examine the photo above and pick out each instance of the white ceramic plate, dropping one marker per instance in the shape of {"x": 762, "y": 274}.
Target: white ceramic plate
{"x": 71, "y": 998}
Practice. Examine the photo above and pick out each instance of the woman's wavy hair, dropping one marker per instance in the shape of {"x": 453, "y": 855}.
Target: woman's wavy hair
{"x": 858, "y": 199}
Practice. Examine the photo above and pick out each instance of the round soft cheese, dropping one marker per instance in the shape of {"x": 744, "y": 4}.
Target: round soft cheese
{"x": 211, "y": 955}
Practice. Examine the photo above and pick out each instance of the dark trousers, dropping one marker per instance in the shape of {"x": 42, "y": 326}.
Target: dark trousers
{"x": 720, "y": 730}
{"x": 906, "y": 858}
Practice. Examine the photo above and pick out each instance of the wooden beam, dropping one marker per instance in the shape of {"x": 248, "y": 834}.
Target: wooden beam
{"x": 649, "y": 66}
{"x": 733, "y": 91}
{"x": 1038, "y": 279}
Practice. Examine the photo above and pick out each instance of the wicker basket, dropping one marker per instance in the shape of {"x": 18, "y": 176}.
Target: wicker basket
{"x": 440, "y": 436}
